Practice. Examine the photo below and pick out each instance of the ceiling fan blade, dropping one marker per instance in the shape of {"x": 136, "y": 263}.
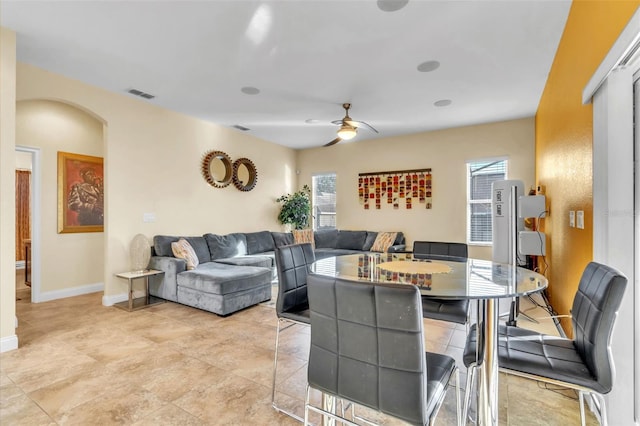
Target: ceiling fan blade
{"x": 333, "y": 142}
{"x": 360, "y": 124}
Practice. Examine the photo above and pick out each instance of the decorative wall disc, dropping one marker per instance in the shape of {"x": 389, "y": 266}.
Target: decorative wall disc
{"x": 217, "y": 169}
{"x": 245, "y": 175}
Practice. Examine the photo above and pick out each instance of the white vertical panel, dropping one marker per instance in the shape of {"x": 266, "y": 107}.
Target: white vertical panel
{"x": 613, "y": 242}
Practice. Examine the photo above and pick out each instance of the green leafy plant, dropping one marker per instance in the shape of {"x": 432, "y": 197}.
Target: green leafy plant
{"x": 296, "y": 208}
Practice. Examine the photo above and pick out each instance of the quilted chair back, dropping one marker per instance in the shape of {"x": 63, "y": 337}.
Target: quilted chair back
{"x": 292, "y": 264}
{"x": 367, "y": 346}
{"x": 595, "y": 308}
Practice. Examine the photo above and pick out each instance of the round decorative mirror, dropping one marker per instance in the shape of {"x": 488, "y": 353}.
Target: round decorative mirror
{"x": 217, "y": 169}
{"x": 245, "y": 175}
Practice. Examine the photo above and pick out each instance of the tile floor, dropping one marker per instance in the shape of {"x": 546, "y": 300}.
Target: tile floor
{"x": 81, "y": 363}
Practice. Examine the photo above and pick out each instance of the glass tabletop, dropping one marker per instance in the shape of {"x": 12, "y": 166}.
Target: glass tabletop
{"x": 435, "y": 276}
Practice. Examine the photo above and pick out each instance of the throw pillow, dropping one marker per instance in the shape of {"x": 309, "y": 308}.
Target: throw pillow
{"x": 303, "y": 236}
{"x": 183, "y": 250}
{"x": 383, "y": 241}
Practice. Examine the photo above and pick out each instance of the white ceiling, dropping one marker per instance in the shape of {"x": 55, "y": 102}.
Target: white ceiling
{"x": 306, "y": 57}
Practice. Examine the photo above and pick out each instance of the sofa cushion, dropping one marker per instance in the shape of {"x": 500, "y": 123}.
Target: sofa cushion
{"x": 329, "y": 252}
{"x": 351, "y": 240}
{"x": 218, "y": 278}
{"x": 262, "y": 261}
{"x": 383, "y": 241}
{"x": 368, "y": 242}
{"x": 162, "y": 246}
{"x": 399, "y": 239}
{"x": 259, "y": 242}
{"x": 326, "y": 238}
{"x": 183, "y": 250}
{"x": 223, "y": 246}
{"x": 282, "y": 238}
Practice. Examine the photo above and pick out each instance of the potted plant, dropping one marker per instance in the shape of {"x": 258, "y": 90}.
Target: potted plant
{"x": 296, "y": 208}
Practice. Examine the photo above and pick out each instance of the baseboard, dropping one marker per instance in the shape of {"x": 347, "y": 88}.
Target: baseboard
{"x": 8, "y": 343}
{"x": 46, "y": 296}
{"x": 117, "y": 298}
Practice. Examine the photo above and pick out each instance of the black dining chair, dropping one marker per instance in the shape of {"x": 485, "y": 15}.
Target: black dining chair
{"x": 367, "y": 348}
{"x": 292, "y": 306}
{"x": 451, "y": 310}
{"x": 583, "y": 363}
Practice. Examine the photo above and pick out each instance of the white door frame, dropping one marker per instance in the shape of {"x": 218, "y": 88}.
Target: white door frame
{"x": 35, "y": 219}
{"x": 615, "y": 223}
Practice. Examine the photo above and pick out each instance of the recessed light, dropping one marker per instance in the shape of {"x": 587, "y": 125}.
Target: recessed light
{"x": 391, "y": 5}
{"x": 428, "y": 66}
{"x": 442, "y": 102}
{"x": 311, "y": 121}
{"x": 248, "y": 90}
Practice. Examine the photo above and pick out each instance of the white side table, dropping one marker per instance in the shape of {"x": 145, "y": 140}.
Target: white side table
{"x": 140, "y": 302}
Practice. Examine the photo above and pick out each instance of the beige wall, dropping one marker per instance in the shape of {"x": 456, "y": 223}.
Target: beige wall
{"x": 8, "y": 339}
{"x": 445, "y": 152}
{"x": 23, "y": 160}
{"x": 50, "y": 126}
{"x": 152, "y": 165}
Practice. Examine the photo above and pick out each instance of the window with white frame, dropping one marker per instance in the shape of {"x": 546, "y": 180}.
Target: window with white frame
{"x": 480, "y": 175}
{"x": 324, "y": 201}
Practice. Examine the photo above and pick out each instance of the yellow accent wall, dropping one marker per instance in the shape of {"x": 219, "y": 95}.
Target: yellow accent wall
{"x": 564, "y": 142}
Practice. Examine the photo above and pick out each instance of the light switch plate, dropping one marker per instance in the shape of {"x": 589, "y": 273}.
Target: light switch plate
{"x": 149, "y": 217}
{"x": 580, "y": 219}
{"x": 572, "y": 219}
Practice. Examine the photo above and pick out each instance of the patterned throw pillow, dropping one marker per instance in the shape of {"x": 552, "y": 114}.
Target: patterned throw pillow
{"x": 303, "y": 236}
{"x": 383, "y": 241}
{"x": 183, "y": 250}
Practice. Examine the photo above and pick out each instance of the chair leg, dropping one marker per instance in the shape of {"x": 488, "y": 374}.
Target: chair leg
{"x": 471, "y": 376}
{"x": 581, "y": 402}
{"x": 603, "y": 409}
{"x": 306, "y": 407}
{"x": 459, "y": 418}
{"x": 275, "y": 370}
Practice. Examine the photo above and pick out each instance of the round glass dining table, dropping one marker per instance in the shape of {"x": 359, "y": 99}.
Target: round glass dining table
{"x": 453, "y": 278}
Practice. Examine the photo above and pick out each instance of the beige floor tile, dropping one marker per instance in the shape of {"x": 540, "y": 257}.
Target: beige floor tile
{"x": 9, "y": 391}
{"x": 83, "y": 363}
{"x": 45, "y": 365}
{"x": 23, "y": 411}
{"x": 64, "y": 395}
{"x": 170, "y": 415}
{"x": 124, "y": 405}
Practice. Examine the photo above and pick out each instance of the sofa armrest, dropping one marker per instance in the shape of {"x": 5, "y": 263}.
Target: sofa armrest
{"x": 165, "y": 285}
{"x": 397, "y": 248}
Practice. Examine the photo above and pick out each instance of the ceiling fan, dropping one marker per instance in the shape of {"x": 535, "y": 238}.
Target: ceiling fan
{"x": 348, "y": 127}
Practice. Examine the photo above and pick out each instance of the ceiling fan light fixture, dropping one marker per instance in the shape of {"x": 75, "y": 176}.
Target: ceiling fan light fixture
{"x": 347, "y": 132}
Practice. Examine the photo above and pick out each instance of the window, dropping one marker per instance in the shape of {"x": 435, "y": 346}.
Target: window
{"x": 324, "y": 201}
{"x": 480, "y": 175}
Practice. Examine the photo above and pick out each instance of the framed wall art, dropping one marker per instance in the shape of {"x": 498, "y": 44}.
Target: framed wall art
{"x": 80, "y": 193}
{"x": 400, "y": 187}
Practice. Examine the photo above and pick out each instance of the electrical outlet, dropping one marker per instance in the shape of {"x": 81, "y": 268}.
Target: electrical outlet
{"x": 572, "y": 219}
{"x": 580, "y": 219}
{"x": 149, "y": 217}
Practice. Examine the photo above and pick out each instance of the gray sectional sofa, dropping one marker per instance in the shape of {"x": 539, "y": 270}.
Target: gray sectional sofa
{"x": 235, "y": 271}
